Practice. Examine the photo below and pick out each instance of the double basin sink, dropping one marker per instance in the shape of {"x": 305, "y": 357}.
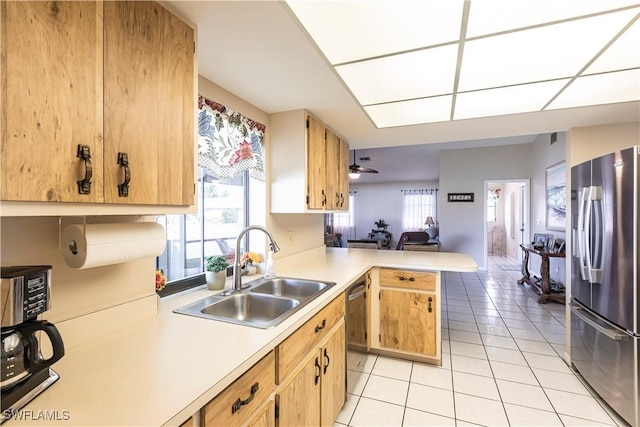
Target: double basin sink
{"x": 264, "y": 304}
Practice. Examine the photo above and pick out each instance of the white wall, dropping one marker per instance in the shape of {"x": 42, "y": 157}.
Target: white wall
{"x": 382, "y": 201}
{"x": 466, "y": 171}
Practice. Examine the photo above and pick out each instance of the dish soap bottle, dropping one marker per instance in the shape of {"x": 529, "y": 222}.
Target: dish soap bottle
{"x": 268, "y": 270}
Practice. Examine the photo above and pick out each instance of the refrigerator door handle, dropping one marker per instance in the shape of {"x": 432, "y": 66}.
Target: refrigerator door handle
{"x": 594, "y": 275}
{"x": 583, "y": 201}
{"x": 610, "y": 333}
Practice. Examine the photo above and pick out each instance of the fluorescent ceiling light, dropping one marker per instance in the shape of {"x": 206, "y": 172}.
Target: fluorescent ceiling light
{"x": 411, "y": 75}
{"x": 426, "y": 110}
{"x": 608, "y": 88}
{"x": 352, "y": 30}
{"x": 506, "y": 100}
{"x": 404, "y": 60}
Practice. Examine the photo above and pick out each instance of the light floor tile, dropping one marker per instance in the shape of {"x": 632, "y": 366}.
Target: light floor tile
{"x": 393, "y": 368}
{"x": 528, "y": 417}
{"x": 577, "y": 405}
{"x": 554, "y": 338}
{"x": 344, "y": 417}
{"x": 375, "y": 413}
{"x": 430, "y": 399}
{"x": 560, "y": 381}
{"x": 467, "y": 349}
{"x": 524, "y": 395}
{"x": 470, "y": 365}
{"x": 494, "y": 330}
{"x": 356, "y": 381}
{"x": 463, "y": 317}
{"x": 581, "y": 422}
{"x": 550, "y": 363}
{"x": 458, "y": 309}
{"x": 514, "y": 323}
{"x": 527, "y": 334}
{"x": 432, "y": 376}
{"x": 498, "y": 341}
{"x": 515, "y": 373}
{"x": 479, "y": 411}
{"x": 505, "y": 355}
{"x": 488, "y": 320}
{"x": 463, "y": 326}
{"x": 386, "y": 389}
{"x": 361, "y": 362}
{"x": 414, "y": 418}
{"x": 475, "y": 385}
{"x": 539, "y": 347}
{"x": 463, "y": 336}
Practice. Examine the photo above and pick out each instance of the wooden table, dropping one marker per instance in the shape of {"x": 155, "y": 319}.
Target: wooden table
{"x": 544, "y": 289}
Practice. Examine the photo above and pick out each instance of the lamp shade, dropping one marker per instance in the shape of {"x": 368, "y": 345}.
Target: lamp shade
{"x": 429, "y": 221}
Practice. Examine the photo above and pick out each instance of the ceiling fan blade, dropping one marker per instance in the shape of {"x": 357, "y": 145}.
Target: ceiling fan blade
{"x": 366, "y": 170}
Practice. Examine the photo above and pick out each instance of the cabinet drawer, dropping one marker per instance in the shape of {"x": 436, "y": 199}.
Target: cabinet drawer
{"x": 292, "y": 350}
{"x": 220, "y": 411}
{"x": 408, "y": 279}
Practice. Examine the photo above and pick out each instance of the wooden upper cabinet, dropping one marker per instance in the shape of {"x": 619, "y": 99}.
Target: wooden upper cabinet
{"x": 148, "y": 104}
{"x": 332, "y": 170}
{"x": 343, "y": 175}
{"x": 316, "y": 191}
{"x": 51, "y": 99}
{"x": 116, "y": 77}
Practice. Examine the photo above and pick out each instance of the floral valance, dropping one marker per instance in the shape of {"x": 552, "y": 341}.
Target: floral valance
{"x": 228, "y": 142}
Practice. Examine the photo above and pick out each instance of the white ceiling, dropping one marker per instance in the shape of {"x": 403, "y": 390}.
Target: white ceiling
{"x": 260, "y": 52}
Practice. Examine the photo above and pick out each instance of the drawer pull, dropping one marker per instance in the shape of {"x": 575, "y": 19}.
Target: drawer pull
{"x": 319, "y": 371}
{"x": 321, "y": 326}
{"x": 326, "y": 356}
{"x": 240, "y": 403}
{"x": 84, "y": 185}
{"x": 430, "y": 309}
{"x": 402, "y": 279}
{"x": 123, "y": 189}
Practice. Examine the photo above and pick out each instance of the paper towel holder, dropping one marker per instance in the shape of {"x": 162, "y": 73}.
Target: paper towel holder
{"x": 73, "y": 245}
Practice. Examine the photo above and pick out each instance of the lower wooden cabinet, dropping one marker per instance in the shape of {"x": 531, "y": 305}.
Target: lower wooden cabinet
{"x": 316, "y": 393}
{"x": 265, "y": 417}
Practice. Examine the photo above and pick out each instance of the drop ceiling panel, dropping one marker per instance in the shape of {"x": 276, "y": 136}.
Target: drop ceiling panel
{"x": 400, "y": 77}
{"x": 507, "y": 100}
{"x": 488, "y": 17}
{"x": 549, "y": 52}
{"x": 347, "y": 31}
{"x": 621, "y": 86}
{"x": 426, "y": 110}
{"x": 622, "y": 54}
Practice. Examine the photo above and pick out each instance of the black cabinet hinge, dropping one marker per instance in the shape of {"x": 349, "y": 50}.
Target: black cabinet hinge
{"x": 307, "y": 123}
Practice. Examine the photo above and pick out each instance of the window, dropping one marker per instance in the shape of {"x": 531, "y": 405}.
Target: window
{"x": 417, "y": 205}
{"x": 230, "y": 161}
{"x": 492, "y": 204}
{"x": 342, "y": 224}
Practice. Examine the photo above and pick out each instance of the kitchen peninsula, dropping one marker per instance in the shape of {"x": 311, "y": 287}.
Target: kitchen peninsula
{"x": 163, "y": 370}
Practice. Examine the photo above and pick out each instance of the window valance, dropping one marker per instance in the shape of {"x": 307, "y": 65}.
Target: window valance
{"x": 228, "y": 142}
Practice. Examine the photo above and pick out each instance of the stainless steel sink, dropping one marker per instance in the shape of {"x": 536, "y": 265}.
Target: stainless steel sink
{"x": 264, "y": 304}
{"x": 289, "y": 288}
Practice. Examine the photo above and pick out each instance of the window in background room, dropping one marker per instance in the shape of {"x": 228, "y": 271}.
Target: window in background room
{"x": 417, "y": 205}
{"x": 492, "y": 204}
{"x": 230, "y": 160}
{"x": 340, "y": 227}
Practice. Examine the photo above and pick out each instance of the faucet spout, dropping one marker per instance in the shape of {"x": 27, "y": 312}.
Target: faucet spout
{"x": 237, "y": 276}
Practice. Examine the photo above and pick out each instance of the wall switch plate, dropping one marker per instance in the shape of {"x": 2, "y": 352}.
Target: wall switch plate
{"x": 291, "y": 238}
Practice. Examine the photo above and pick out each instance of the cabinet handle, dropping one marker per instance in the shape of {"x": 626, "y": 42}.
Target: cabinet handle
{"x": 368, "y": 281}
{"x": 319, "y": 371}
{"x": 123, "y": 189}
{"x": 326, "y": 356}
{"x": 324, "y": 198}
{"x": 84, "y": 185}
{"x": 430, "y": 309}
{"x": 402, "y": 279}
{"x": 337, "y": 199}
{"x": 240, "y": 403}
{"x": 341, "y": 200}
{"x": 321, "y": 326}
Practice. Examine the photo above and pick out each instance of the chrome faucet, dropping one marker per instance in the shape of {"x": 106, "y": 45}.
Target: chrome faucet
{"x": 237, "y": 275}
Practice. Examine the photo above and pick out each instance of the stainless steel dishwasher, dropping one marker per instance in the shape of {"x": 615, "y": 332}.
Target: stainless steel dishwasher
{"x": 357, "y": 315}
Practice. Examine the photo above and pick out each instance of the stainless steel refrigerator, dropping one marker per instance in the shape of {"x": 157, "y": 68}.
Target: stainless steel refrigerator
{"x": 605, "y": 298}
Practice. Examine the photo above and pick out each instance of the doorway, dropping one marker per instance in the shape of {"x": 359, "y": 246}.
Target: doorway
{"x": 506, "y": 218}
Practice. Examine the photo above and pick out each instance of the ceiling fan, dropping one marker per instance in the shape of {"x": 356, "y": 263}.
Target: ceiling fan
{"x": 355, "y": 169}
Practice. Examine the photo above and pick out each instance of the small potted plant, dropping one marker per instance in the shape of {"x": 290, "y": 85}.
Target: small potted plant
{"x": 216, "y": 273}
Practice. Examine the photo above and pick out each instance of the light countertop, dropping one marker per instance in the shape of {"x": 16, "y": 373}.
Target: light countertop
{"x": 162, "y": 370}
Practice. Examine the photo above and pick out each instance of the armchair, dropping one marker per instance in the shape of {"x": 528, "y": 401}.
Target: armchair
{"x": 427, "y": 237}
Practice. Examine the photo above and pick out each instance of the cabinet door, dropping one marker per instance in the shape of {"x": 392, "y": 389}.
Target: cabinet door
{"x": 316, "y": 192}
{"x": 264, "y": 418}
{"x": 299, "y": 400}
{"x": 408, "y": 321}
{"x": 344, "y": 175}
{"x": 333, "y": 377}
{"x": 52, "y": 99}
{"x": 149, "y": 107}
{"x": 332, "y": 170}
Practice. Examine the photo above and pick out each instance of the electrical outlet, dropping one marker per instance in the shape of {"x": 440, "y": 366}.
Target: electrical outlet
{"x": 557, "y": 269}
{"x": 291, "y": 238}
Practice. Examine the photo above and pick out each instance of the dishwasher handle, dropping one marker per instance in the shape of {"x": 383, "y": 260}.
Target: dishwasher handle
{"x": 356, "y": 291}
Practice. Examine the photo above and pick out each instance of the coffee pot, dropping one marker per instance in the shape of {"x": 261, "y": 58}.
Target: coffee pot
{"x": 21, "y": 351}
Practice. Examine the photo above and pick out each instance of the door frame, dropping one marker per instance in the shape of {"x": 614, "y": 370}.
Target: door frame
{"x": 526, "y": 213}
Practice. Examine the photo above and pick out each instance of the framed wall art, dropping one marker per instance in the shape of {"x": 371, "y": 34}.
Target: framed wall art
{"x": 556, "y": 197}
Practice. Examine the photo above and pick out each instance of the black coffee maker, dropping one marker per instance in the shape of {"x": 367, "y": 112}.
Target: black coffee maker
{"x": 24, "y": 372}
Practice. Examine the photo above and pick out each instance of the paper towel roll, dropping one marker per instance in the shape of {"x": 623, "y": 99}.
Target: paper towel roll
{"x": 94, "y": 245}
